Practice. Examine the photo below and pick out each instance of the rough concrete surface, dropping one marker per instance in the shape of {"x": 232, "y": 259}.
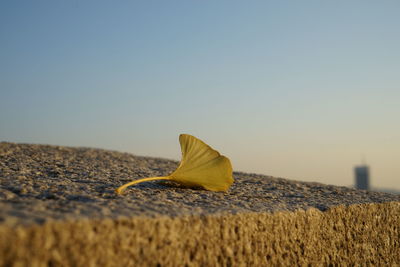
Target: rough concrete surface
{"x": 58, "y": 207}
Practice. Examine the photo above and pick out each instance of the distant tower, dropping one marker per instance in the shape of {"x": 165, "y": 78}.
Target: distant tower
{"x": 362, "y": 177}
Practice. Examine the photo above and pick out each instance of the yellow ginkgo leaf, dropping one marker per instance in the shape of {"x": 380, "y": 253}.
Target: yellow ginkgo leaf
{"x": 201, "y": 166}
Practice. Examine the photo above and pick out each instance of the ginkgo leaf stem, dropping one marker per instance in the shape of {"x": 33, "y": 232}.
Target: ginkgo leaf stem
{"x": 120, "y": 189}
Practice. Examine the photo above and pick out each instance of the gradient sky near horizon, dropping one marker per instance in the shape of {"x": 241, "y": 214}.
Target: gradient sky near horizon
{"x": 297, "y": 89}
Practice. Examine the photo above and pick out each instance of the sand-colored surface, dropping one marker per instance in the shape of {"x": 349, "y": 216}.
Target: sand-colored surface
{"x": 58, "y": 208}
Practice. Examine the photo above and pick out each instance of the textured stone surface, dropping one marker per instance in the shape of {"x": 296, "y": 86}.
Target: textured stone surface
{"x": 362, "y": 235}
{"x": 58, "y": 208}
{"x": 40, "y": 182}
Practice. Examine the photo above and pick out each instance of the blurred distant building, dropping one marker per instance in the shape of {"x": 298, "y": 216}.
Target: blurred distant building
{"x": 362, "y": 177}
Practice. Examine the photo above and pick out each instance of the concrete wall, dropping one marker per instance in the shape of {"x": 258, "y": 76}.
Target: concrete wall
{"x": 368, "y": 234}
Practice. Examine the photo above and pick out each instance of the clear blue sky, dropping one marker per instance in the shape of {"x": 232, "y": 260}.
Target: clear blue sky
{"x": 295, "y": 89}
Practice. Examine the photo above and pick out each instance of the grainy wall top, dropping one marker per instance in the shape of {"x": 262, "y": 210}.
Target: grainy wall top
{"x": 41, "y": 182}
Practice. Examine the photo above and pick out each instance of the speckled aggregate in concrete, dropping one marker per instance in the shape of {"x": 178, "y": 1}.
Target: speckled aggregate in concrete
{"x": 41, "y": 182}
